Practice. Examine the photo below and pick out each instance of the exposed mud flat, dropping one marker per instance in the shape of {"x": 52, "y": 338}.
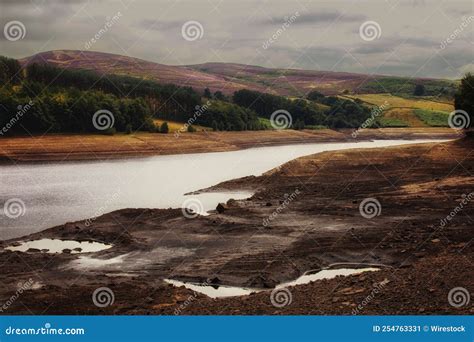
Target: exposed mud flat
{"x": 246, "y": 245}
{"x": 74, "y": 147}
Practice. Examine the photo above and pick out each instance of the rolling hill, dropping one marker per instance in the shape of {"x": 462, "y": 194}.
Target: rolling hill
{"x": 229, "y": 77}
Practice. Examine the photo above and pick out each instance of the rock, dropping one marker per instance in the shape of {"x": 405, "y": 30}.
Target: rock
{"x": 33, "y": 250}
{"x": 221, "y": 207}
{"x": 261, "y": 281}
{"x": 15, "y": 244}
{"x": 231, "y": 202}
{"x": 435, "y": 240}
{"x": 44, "y": 250}
{"x": 77, "y": 249}
{"x": 214, "y": 280}
{"x": 268, "y": 204}
{"x": 66, "y": 251}
{"x": 351, "y": 291}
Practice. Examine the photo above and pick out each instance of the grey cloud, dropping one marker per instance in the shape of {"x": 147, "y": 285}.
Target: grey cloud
{"x": 235, "y": 31}
{"x": 389, "y": 44}
{"x": 315, "y": 18}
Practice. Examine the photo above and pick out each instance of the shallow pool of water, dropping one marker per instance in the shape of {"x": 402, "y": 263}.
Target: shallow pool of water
{"x": 56, "y": 193}
{"x": 57, "y": 246}
{"x": 215, "y": 291}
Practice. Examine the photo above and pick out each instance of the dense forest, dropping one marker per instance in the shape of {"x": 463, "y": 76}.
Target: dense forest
{"x": 464, "y": 101}
{"x": 315, "y": 110}
{"x": 51, "y": 99}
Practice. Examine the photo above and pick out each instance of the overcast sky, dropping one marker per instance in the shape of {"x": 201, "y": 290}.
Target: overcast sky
{"x": 321, "y": 35}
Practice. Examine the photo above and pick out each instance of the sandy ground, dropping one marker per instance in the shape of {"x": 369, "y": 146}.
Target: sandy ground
{"x": 99, "y": 147}
{"x": 317, "y": 223}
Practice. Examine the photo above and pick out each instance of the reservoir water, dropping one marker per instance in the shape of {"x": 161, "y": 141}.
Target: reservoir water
{"x": 51, "y": 194}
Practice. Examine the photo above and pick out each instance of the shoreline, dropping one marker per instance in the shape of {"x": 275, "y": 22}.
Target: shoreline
{"x": 61, "y": 148}
{"x": 320, "y": 227}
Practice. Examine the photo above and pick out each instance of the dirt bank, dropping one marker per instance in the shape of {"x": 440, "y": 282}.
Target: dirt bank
{"x": 305, "y": 215}
{"x": 58, "y": 147}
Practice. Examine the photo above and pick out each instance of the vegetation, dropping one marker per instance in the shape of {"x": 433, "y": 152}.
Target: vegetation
{"x": 432, "y": 118}
{"x": 405, "y": 87}
{"x": 464, "y": 99}
{"x": 419, "y": 90}
{"x": 66, "y": 101}
{"x": 225, "y": 116}
{"x": 402, "y": 102}
{"x": 164, "y": 128}
{"x": 340, "y": 113}
{"x": 51, "y": 99}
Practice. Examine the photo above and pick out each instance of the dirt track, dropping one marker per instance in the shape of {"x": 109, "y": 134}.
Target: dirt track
{"x": 416, "y": 185}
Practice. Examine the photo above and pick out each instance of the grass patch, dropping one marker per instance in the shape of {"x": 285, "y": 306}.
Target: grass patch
{"x": 397, "y": 101}
{"x": 432, "y": 118}
{"x": 392, "y": 122}
{"x": 266, "y": 123}
{"x": 176, "y": 126}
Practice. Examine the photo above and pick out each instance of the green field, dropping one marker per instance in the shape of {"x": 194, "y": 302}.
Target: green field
{"x": 408, "y": 111}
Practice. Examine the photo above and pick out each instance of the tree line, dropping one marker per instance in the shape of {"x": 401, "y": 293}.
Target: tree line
{"x": 66, "y": 101}
{"x": 316, "y": 110}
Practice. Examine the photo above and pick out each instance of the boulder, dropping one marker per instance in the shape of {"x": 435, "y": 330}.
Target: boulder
{"x": 33, "y": 250}
{"x": 221, "y": 207}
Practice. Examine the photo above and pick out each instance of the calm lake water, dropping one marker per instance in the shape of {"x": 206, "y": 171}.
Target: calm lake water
{"x": 56, "y": 193}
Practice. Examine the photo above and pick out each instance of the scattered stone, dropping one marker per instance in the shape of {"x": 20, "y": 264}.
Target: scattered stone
{"x": 66, "y": 251}
{"x": 215, "y": 280}
{"x": 261, "y": 281}
{"x": 33, "y": 250}
{"x": 221, "y": 207}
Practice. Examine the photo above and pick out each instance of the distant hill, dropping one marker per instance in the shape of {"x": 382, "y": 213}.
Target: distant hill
{"x": 229, "y": 77}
